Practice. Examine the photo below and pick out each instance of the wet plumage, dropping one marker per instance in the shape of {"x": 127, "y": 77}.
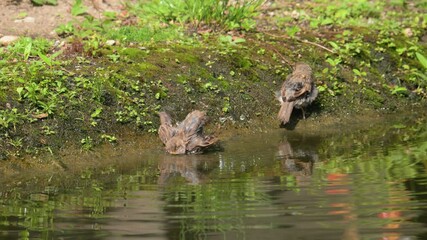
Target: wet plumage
{"x": 187, "y": 136}
{"x": 298, "y": 90}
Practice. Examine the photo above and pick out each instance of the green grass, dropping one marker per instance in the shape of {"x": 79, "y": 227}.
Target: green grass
{"x": 215, "y": 14}
{"x": 145, "y": 34}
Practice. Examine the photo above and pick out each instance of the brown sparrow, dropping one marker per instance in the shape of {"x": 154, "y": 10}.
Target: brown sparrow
{"x": 298, "y": 90}
{"x": 187, "y": 136}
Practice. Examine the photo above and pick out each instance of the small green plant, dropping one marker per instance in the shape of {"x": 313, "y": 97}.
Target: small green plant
{"x": 210, "y": 87}
{"x": 160, "y": 89}
{"x": 65, "y": 30}
{"x": 226, "y": 105}
{"x": 95, "y": 115}
{"x": 422, "y": 60}
{"x": 332, "y": 85}
{"x": 87, "y": 143}
{"x": 26, "y": 47}
{"x": 50, "y": 60}
{"x": 44, "y": 2}
{"x": 16, "y": 142}
{"x": 47, "y": 130}
{"x": 293, "y": 30}
{"x": 22, "y": 15}
{"x": 50, "y": 106}
{"x": 78, "y": 8}
{"x": 398, "y": 90}
{"x": 333, "y": 62}
{"x": 114, "y": 57}
{"x": 10, "y": 118}
{"x": 109, "y": 138}
{"x": 229, "y": 40}
{"x": 359, "y": 76}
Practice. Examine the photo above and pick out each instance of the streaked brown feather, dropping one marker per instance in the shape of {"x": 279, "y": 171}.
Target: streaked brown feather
{"x": 297, "y": 91}
{"x": 188, "y": 136}
{"x": 166, "y": 130}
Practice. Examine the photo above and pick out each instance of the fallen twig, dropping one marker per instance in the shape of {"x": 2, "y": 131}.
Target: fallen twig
{"x": 302, "y": 40}
{"x": 315, "y": 44}
{"x": 284, "y": 59}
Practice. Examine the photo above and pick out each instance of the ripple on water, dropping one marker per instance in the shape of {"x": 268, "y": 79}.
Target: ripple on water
{"x": 279, "y": 185}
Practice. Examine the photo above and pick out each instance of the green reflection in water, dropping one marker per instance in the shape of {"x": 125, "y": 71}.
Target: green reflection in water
{"x": 354, "y": 178}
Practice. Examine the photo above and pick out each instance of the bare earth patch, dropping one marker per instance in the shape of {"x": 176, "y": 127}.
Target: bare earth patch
{"x": 22, "y": 18}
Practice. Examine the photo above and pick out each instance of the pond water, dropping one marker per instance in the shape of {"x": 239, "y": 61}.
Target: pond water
{"x": 365, "y": 183}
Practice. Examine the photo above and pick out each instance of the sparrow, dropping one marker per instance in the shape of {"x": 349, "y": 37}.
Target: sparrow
{"x": 187, "y": 136}
{"x": 298, "y": 90}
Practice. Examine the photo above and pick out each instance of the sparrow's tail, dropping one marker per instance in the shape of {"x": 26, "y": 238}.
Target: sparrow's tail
{"x": 285, "y": 112}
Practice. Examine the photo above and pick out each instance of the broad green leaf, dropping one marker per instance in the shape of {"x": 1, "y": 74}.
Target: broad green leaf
{"x": 334, "y": 45}
{"x": 96, "y": 113}
{"x": 422, "y": 59}
{"x": 27, "y": 50}
{"x": 45, "y": 59}
{"x": 19, "y": 90}
{"x": 56, "y": 54}
{"x": 78, "y": 8}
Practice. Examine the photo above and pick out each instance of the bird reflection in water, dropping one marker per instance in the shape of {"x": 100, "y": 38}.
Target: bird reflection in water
{"x": 297, "y": 159}
{"x": 193, "y": 168}
{"x": 187, "y": 136}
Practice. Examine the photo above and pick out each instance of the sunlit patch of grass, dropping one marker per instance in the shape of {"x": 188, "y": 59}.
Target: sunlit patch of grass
{"x": 26, "y": 47}
{"x": 214, "y": 14}
{"x": 145, "y": 34}
{"x": 350, "y": 13}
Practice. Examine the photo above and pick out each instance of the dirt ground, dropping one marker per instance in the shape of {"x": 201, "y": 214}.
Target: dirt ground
{"x": 22, "y": 18}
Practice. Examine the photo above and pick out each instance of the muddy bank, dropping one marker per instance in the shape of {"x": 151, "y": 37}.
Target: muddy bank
{"x": 106, "y": 79}
{"x": 99, "y": 99}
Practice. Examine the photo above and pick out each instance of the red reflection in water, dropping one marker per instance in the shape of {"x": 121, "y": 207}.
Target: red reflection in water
{"x": 338, "y": 183}
{"x": 395, "y": 194}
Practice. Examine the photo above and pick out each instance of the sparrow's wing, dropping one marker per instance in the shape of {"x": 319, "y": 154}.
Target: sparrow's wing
{"x": 165, "y": 118}
{"x": 166, "y": 131}
{"x": 197, "y": 142}
{"x": 193, "y": 123}
{"x": 284, "y": 88}
{"x": 302, "y": 83}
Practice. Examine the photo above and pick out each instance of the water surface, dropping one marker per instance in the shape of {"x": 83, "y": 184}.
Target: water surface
{"x": 364, "y": 183}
